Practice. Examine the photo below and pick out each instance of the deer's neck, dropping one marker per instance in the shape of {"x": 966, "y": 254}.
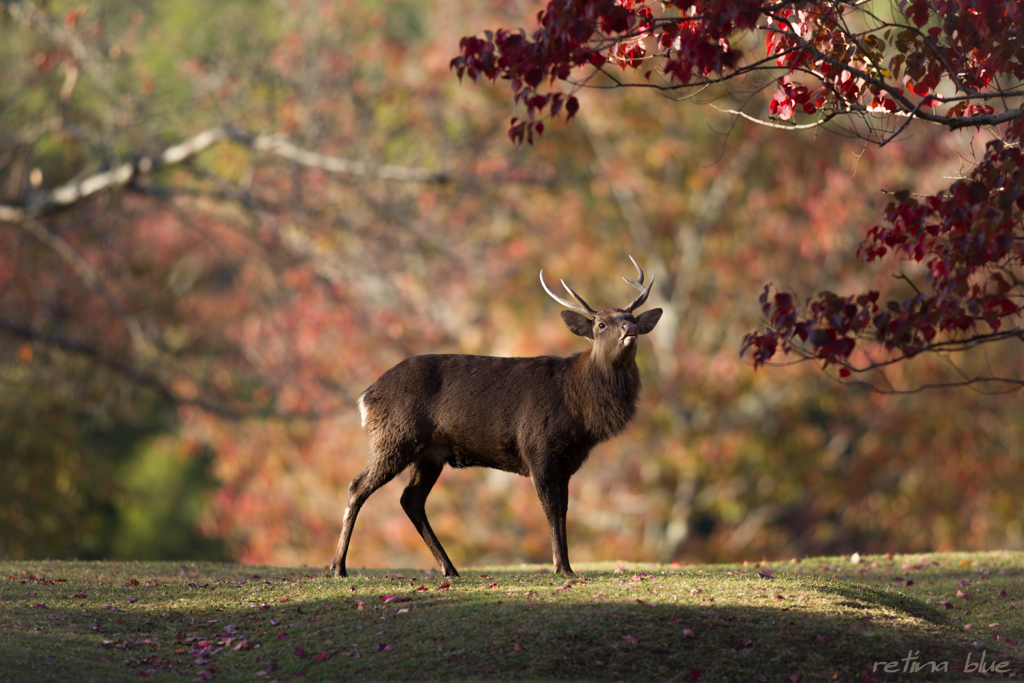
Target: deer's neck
{"x": 601, "y": 395}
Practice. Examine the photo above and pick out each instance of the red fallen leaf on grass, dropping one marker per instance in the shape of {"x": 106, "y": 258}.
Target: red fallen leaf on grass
{"x": 909, "y": 583}
{"x": 264, "y": 606}
{"x": 695, "y": 675}
{"x": 243, "y": 645}
{"x": 517, "y": 647}
{"x": 133, "y": 582}
{"x": 747, "y": 642}
{"x": 323, "y": 655}
{"x": 299, "y": 651}
{"x": 283, "y": 600}
{"x": 640, "y": 602}
{"x": 780, "y": 597}
{"x": 282, "y": 636}
{"x": 765, "y": 574}
{"x": 1002, "y": 594}
{"x": 41, "y": 605}
{"x": 203, "y": 643}
{"x": 629, "y": 639}
{"x": 694, "y": 591}
{"x": 947, "y": 604}
{"x": 485, "y": 576}
{"x": 422, "y": 589}
{"x": 820, "y": 637}
{"x": 688, "y": 633}
{"x": 678, "y": 620}
{"x": 493, "y": 585}
{"x": 961, "y": 594}
{"x": 397, "y": 598}
{"x": 444, "y": 586}
{"x": 382, "y": 647}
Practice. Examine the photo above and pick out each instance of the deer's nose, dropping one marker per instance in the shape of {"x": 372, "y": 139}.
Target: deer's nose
{"x": 629, "y": 329}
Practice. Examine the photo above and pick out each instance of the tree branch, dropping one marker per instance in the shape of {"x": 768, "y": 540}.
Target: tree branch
{"x": 74, "y": 192}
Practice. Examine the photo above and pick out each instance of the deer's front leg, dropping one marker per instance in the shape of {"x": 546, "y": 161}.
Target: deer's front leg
{"x": 554, "y": 498}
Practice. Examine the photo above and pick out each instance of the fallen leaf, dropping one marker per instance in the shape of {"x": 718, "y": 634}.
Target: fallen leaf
{"x": 382, "y": 647}
{"x": 493, "y": 585}
{"x": 422, "y": 589}
{"x": 517, "y": 647}
{"x": 694, "y": 591}
{"x": 765, "y": 574}
{"x": 629, "y": 639}
{"x": 397, "y": 598}
{"x": 964, "y": 563}
{"x": 323, "y": 655}
{"x": 947, "y": 604}
{"x": 444, "y": 586}
{"x": 299, "y": 651}
{"x": 688, "y": 633}
{"x": 695, "y": 675}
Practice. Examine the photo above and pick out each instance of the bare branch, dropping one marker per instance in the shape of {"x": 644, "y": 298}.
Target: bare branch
{"x": 73, "y": 192}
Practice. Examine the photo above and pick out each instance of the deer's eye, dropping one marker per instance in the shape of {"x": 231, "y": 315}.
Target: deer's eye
{"x": 600, "y": 326}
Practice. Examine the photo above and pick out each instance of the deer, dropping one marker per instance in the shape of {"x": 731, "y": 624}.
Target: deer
{"x": 537, "y": 417}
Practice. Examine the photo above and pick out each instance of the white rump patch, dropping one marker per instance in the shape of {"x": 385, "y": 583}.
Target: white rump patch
{"x": 362, "y": 410}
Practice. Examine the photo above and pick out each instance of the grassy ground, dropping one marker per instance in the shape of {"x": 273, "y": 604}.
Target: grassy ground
{"x": 815, "y": 620}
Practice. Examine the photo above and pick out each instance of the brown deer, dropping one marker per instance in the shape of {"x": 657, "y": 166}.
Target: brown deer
{"x": 538, "y": 417}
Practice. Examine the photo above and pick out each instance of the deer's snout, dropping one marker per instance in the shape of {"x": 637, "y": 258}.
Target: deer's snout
{"x": 628, "y": 330}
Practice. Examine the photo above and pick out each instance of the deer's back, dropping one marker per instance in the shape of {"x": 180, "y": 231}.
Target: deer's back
{"x": 486, "y": 411}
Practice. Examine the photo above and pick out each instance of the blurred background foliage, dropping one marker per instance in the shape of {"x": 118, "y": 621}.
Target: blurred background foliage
{"x": 265, "y": 295}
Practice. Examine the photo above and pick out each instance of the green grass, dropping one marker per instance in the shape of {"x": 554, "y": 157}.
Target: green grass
{"x": 815, "y": 620}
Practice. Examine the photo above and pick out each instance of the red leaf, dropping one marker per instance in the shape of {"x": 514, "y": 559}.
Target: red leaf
{"x": 572, "y": 105}
{"x": 695, "y": 675}
{"x": 322, "y": 656}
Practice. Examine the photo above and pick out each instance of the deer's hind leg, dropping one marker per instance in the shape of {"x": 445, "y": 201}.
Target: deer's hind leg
{"x": 383, "y": 467}
{"x": 424, "y": 475}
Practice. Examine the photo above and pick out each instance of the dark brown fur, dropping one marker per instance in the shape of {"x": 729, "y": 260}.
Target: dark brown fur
{"x": 538, "y": 417}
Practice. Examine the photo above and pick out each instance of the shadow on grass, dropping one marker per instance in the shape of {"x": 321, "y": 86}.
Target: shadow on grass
{"x": 525, "y": 627}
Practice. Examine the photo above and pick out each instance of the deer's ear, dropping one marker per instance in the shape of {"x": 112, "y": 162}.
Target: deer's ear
{"x": 578, "y": 324}
{"x": 646, "y": 321}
